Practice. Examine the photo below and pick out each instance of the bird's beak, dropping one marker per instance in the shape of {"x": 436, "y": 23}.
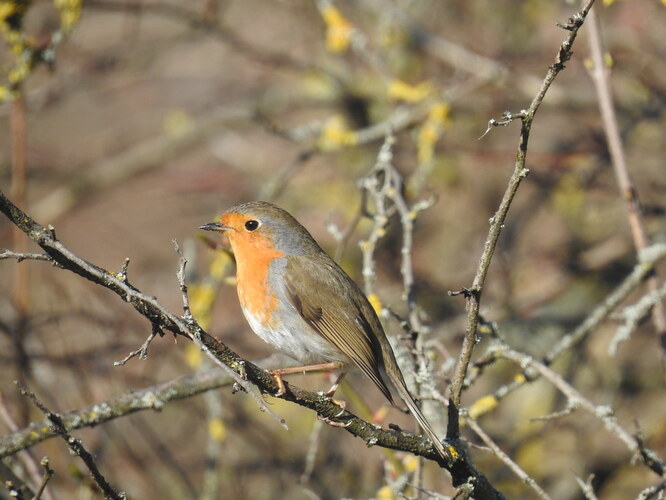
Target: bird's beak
{"x": 215, "y": 226}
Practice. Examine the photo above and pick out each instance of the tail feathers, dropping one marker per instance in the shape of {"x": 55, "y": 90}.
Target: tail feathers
{"x": 423, "y": 422}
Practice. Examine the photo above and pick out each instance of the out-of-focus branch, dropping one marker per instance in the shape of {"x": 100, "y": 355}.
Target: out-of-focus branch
{"x": 150, "y": 398}
{"x": 628, "y": 192}
{"x": 649, "y": 258}
{"x": 513, "y": 466}
{"x": 146, "y": 155}
{"x": 605, "y": 413}
{"x": 204, "y": 22}
{"x": 76, "y": 447}
{"x": 473, "y": 295}
{"x": 26, "y": 457}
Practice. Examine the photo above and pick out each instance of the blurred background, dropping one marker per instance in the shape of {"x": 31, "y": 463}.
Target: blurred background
{"x": 154, "y": 116}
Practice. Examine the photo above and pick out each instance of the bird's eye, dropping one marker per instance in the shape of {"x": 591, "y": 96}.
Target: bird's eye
{"x": 251, "y": 225}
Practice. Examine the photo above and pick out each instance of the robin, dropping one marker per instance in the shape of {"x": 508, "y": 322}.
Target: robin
{"x": 296, "y": 298}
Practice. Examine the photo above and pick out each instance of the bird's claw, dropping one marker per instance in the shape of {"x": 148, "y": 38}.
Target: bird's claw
{"x": 282, "y": 388}
{"x": 332, "y": 422}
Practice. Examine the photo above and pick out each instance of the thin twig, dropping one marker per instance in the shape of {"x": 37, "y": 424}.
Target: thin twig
{"x": 21, "y": 256}
{"x": 648, "y": 259}
{"x": 513, "y": 466}
{"x": 627, "y": 188}
{"x": 27, "y": 458}
{"x": 473, "y": 295}
{"x": 150, "y": 398}
{"x": 633, "y": 315}
{"x": 311, "y": 455}
{"x": 602, "y": 412}
{"x": 48, "y": 474}
{"x": 142, "y": 351}
{"x": 75, "y": 446}
{"x": 586, "y": 487}
{"x": 651, "y": 492}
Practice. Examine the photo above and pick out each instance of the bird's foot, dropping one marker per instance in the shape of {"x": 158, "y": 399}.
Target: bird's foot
{"x": 332, "y": 422}
{"x": 277, "y": 376}
{"x": 336, "y": 383}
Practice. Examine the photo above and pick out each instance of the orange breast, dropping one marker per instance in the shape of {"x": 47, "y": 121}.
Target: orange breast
{"x": 253, "y": 258}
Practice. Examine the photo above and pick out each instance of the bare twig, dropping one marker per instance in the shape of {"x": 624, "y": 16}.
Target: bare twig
{"x": 75, "y": 446}
{"x": 21, "y": 256}
{"x": 48, "y": 474}
{"x": 142, "y": 351}
{"x": 633, "y": 314}
{"x": 497, "y": 221}
{"x": 648, "y": 259}
{"x": 26, "y": 457}
{"x": 376, "y": 185}
{"x": 586, "y": 487}
{"x": 311, "y": 455}
{"x": 602, "y": 412}
{"x": 627, "y": 188}
{"x": 150, "y": 398}
{"x": 513, "y": 466}
{"x": 651, "y": 492}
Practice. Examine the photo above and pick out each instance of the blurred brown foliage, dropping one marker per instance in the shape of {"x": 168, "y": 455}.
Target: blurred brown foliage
{"x": 269, "y": 103}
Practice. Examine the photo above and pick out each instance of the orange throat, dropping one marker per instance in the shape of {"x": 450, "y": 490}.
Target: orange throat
{"x": 253, "y": 259}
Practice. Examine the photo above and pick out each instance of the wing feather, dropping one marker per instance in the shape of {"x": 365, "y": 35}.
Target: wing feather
{"x": 343, "y": 318}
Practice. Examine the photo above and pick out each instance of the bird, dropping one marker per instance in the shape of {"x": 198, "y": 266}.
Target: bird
{"x": 299, "y": 300}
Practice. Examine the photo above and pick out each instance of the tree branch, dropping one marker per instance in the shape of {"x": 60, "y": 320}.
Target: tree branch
{"x": 461, "y": 470}
{"x": 473, "y": 295}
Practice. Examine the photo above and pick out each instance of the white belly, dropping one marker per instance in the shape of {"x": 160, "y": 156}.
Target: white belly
{"x": 295, "y": 338}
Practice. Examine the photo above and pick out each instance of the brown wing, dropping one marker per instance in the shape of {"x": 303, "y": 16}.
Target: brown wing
{"x": 335, "y": 307}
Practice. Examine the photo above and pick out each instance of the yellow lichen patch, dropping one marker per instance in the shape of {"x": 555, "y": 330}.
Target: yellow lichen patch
{"x": 177, "y": 122}
{"x": 202, "y": 296}
{"x": 338, "y": 29}
{"x": 336, "y": 134}
{"x": 193, "y": 356}
{"x": 431, "y": 131}
{"x": 7, "y": 9}
{"x": 411, "y": 463}
{"x": 520, "y": 378}
{"x": 482, "y": 406}
{"x": 385, "y": 493}
{"x": 217, "y": 430}
{"x": 403, "y": 91}
{"x": 70, "y": 12}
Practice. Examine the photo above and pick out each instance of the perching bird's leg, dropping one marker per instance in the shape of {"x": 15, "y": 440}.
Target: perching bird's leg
{"x": 277, "y": 374}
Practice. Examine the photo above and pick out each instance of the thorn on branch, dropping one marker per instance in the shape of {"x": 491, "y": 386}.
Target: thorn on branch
{"x": 573, "y": 23}
{"x": 468, "y": 293}
{"x": 507, "y": 118}
{"x": 122, "y": 272}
